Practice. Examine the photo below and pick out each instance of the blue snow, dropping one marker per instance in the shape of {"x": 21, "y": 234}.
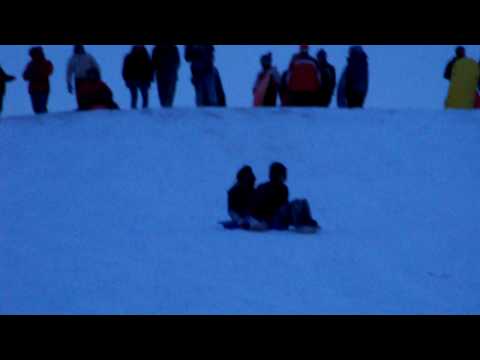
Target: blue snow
{"x": 116, "y": 212}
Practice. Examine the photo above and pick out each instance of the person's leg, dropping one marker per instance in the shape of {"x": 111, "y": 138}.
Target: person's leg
{"x": 301, "y": 215}
{"x": 199, "y": 93}
{"x": 355, "y": 99}
{"x": 35, "y": 102}
{"x": 211, "y": 89}
{"x": 160, "y": 91}
{"x": 1, "y": 102}
{"x": 144, "y": 89}
{"x": 282, "y": 219}
{"x": 171, "y": 91}
{"x": 133, "y": 95}
{"x": 78, "y": 85}
{"x": 44, "y": 102}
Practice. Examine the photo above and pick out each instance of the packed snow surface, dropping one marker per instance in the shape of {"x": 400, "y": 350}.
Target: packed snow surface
{"x": 116, "y": 212}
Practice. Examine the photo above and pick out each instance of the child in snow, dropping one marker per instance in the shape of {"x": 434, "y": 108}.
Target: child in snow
{"x": 240, "y": 197}
{"x": 272, "y": 210}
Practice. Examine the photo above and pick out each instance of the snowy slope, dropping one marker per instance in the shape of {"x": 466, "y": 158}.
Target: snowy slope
{"x": 115, "y": 212}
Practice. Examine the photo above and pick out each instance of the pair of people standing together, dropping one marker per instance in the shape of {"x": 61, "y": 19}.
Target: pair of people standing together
{"x": 139, "y": 71}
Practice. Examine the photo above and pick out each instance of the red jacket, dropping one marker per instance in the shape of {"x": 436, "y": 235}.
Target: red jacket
{"x": 37, "y": 73}
{"x": 95, "y": 95}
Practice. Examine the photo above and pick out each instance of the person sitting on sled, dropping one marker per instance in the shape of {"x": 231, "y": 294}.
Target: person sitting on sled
{"x": 240, "y": 197}
{"x": 272, "y": 210}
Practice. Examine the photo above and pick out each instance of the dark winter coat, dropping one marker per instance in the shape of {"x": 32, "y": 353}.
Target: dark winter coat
{"x": 328, "y": 84}
{"x": 37, "y": 73}
{"x": 268, "y": 198}
{"x": 4, "y": 78}
{"x": 166, "y": 60}
{"x": 201, "y": 58}
{"x": 356, "y": 77}
{"x": 240, "y": 199}
{"x": 137, "y": 67}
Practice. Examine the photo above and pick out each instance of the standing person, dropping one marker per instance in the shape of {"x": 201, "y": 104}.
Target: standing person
{"x": 204, "y": 77}
{"x": 77, "y": 67}
{"x": 303, "y": 79}
{"x": 4, "y": 78}
{"x": 356, "y": 77}
{"x": 460, "y": 53}
{"x": 267, "y": 84}
{"x": 37, "y": 73}
{"x": 329, "y": 79}
{"x": 138, "y": 74}
{"x": 166, "y": 62}
{"x": 463, "y": 76}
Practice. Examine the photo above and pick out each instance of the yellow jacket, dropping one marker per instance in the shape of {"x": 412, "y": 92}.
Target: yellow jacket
{"x": 463, "y": 85}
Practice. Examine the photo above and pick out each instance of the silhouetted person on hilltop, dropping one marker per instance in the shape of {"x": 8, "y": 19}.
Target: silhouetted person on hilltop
{"x": 303, "y": 79}
{"x": 137, "y": 73}
{"x": 460, "y": 53}
{"x": 205, "y": 77}
{"x": 37, "y": 73}
{"x": 4, "y": 78}
{"x": 166, "y": 62}
{"x": 328, "y": 79}
{"x": 77, "y": 67}
{"x": 356, "y": 77}
{"x": 464, "y": 74}
{"x": 267, "y": 84}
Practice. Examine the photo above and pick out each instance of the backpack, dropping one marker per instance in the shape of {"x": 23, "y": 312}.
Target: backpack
{"x": 303, "y": 76}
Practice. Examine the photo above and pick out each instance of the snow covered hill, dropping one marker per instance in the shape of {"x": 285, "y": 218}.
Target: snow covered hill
{"x": 116, "y": 212}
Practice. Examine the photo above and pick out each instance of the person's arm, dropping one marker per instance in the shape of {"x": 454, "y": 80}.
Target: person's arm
{"x": 27, "y": 74}
{"x": 70, "y": 70}
{"x": 448, "y": 70}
